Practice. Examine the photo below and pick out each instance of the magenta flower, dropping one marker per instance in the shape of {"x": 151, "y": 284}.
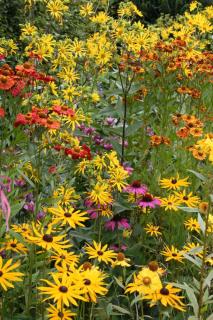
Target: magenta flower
{"x": 115, "y": 223}
{"x": 118, "y": 248}
{"x": 148, "y": 201}
{"x": 136, "y": 187}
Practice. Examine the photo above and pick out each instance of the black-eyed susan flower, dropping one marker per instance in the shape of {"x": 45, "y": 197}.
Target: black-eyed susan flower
{"x": 100, "y": 194}
{"x": 187, "y": 199}
{"x": 15, "y": 246}
{"x": 117, "y": 178}
{"x": 8, "y": 275}
{"x": 172, "y": 254}
{"x": 65, "y": 258}
{"x": 68, "y": 216}
{"x": 170, "y": 203}
{"x": 152, "y": 230}
{"x": 192, "y": 248}
{"x": 167, "y": 295}
{"x": 62, "y": 290}
{"x": 145, "y": 282}
{"x": 65, "y": 195}
{"x": 121, "y": 260}
{"x": 100, "y": 253}
{"x": 93, "y": 283}
{"x": 48, "y": 240}
{"x": 174, "y": 183}
{"x": 59, "y": 314}
{"x": 192, "y": 225}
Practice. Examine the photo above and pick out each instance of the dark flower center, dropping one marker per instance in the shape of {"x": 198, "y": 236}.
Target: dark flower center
{"x": 60, "y": 314}
{"x": 153, "y": 265}
{"x": 100, "y": 253}
{"x": 87, "y": 265}
{"x": 174, "y": 254}
{"x": 48, "y": 238}
{"x": 185, "y": 198}
{"x": 87, "y": 282}
{"x": 173, "y": 181}
{"x": 62, "y": 257}
{"x": 147, "y": 197}
{"x": 146, "y": 281}
{"x": 13, "y": 245}
{"x": 136, "y": 184}
{"x": 1, "y": 273}
{"x": 63, "y": 289}
{"x": 164, "y": 291}
{"x": 67, "y": 215}
{"x": 120, "y": 256}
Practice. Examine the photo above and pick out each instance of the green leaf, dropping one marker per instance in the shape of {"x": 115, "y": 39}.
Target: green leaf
{"x": 187, "y": 209}
{"x": 133, "y": 128}
{"x": 119, "y": 283}
{"x": 121, "y": 310}
{"x": 194, "y": 260}
{"x": 207, "y": 281}
{"x": 198, "y": 175}
{"x": 210, "y": 317}
{"x": 201, "y": 223}
{"x": 192, "y": 298}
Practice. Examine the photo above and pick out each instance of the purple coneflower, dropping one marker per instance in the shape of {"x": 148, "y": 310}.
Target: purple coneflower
{"x": 148, "y": 201}
{"x": 117, "y": 223}
{"x": 136, "y": 187}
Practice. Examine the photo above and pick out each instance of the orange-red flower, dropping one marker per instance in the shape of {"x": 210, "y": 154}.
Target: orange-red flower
{"x": 6, "y": 82}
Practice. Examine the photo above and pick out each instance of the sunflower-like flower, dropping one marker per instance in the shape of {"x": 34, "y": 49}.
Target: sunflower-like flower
{"x": 121, "y": 260}
{"x": 15, "y": 246}
{"x": 62, "y": 290}
{"x": 192, "y": 225}
{"x": 68, "y": 216}
{"x": 100, "y": 253}
{"x": 187, "y": 199}
{"x": 100, "y": 194}
{"x": 145, "y": 282}
{"x": 152, "y": 230}
{"x": 58, "y": 314}
{"x": 170, "y": 203}
{"x": 172, "y": 254}
{"x": 6, "y": 276}
{"x": 48, "y": 240}
{"x": 65, "y": 258}
{"x": 174, "y": 183}
{"x": 93, "y": 283}
{"x": 167, "y": 296}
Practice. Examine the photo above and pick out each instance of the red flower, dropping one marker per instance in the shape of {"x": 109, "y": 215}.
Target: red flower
{"x": 2, "y": 113}
{"x": 20, "y": 120}
{"x": 6, "y": 82}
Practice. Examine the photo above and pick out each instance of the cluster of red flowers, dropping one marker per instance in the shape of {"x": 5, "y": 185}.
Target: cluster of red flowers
{"x": 16, "y": 80}
{"x": 37, "y": 116}
{"x": 63, "y": 110}
{"x": 77, "y": 152}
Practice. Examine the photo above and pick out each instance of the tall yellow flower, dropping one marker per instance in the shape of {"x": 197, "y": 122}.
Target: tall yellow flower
{"x": 57, "y": 8}
{"x": 101, "y": 194}
{"x": 6, "y": 276}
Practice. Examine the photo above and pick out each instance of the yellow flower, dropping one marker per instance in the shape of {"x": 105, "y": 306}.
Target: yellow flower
{"x": 93, "y": 283}
{"x": 193, "y": 6}
{"x": 167, "y": 296}
{"x": 70, "y": 93}
{"x": 152, "y": 230}
{"x": 188, "y": 199}
{"x": 100, "y": 253}
{"x": 6, "y": 276}
{"x": 100, "y": 194}
{"x": 121, "y": 260}
{"x": 62, "y": 290}
{"x": 95, "y": 97}
{"x": 47, "y": 240}
{"x": 68, "y": 74}
{"x": 190, "y": 246}
{"x": 65, "y": 195}
{"x": 15, "y": 246}
{"x": 59, "y": 314}
{"x": 192, "y": 225}
{"x": 53, "y": 88}
{"x": 65, "y": 258}
{"x": 68, "y": 216}
{"x": 28, "y": 30}
{"x": 86, "y": 10}
{"x": 117, "y": 177}
{"x": 170, "y": 203}
{"x": 57, "y": 8}
{"x": 172, "y": 254}
{"x": 144, "y": 282}
{"x": 174, "y": 183}
{"x": 100, "y": 18}
{"x": 78, "y": 48}
{"x": 81, "y": 167}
